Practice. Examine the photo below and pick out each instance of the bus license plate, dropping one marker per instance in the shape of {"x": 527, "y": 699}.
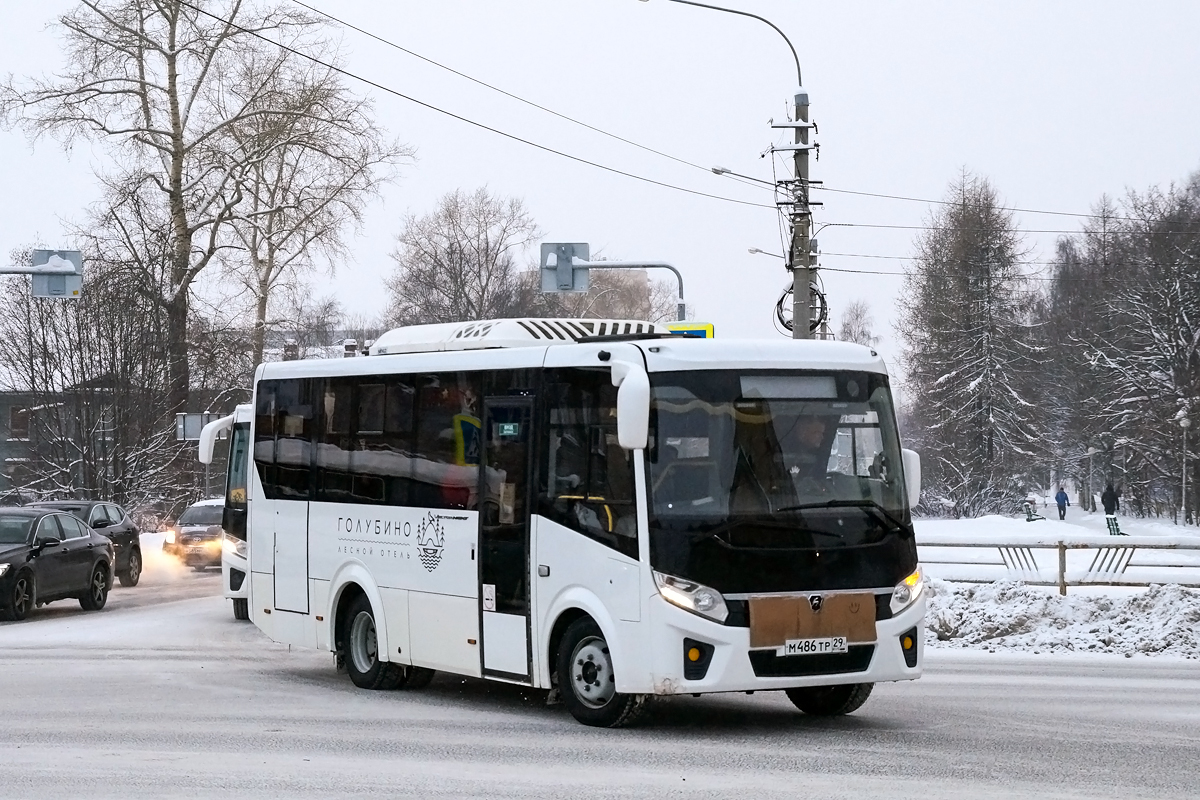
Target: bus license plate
{"x": 812, "y": 647}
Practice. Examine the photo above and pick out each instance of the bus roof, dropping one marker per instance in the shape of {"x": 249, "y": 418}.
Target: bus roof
{"x": 526, "y": 332}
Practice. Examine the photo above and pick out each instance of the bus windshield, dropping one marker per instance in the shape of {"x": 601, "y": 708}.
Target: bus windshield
{"x": 777, "y": 481}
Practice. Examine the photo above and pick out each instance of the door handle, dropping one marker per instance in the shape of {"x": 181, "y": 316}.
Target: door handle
{"x": 543, "y": 571}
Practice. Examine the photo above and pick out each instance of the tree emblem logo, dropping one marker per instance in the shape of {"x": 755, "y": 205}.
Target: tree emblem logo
{"x": 431, "y": 540}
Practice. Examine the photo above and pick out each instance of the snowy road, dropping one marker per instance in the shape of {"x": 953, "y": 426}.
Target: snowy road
{"x": 175, "y": 698}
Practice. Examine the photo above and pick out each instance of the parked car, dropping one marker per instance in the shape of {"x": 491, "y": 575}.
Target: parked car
{"x": 195, "y": 538}
{"x": 111, "y": 521}
{"x": 48, "y": 555}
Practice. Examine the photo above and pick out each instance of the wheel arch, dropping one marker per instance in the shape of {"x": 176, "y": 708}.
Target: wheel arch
{"x": 572, "y": 604}
{"x": 350, "y": 581}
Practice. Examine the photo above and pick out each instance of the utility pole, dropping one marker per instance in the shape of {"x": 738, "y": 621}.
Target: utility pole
{"x": 801, "y": 227}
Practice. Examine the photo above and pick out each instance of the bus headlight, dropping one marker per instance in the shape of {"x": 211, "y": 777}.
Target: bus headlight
{"x": 235, "y": 545}
{"x": 907, "y": 591}
{"x": 690, "y": 596}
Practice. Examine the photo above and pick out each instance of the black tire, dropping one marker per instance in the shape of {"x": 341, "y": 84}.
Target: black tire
{"x": 96, "y": 594}
{"x": 132, "y": 573}
{"x": 418, "y": 677}
{"x": 20, "y": 598}
{"x": 587, "y": 683}
{"x": 362, "y": 650}
{"x": 199, "y": 567}
{"x": 241, "y": 608}
{"x": 830, "y": 701}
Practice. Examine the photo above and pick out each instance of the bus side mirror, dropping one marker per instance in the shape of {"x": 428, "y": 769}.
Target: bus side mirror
{"x": 633, "y": 404}
{"x": 208, "y": 437}
{"x": 912, "y": 476}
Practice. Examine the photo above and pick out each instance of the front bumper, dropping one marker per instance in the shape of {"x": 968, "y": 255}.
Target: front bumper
{"x": 206, "y": 554}
{"x": 734, "y": 667}
{"x": 235, "y": 572}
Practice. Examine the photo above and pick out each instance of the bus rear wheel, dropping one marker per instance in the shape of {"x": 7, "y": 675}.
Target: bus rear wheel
{"x": 587, "y": 683}
{"x": 360, "y": 647}
{"x": 830, "y": 701}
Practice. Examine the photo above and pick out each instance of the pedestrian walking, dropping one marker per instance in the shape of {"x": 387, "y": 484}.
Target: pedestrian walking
{"x": 1063, "y": 501}
{"x": 1111, "y": 502}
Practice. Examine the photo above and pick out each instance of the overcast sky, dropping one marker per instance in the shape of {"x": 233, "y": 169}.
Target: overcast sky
{"x": 1056, "y": 103}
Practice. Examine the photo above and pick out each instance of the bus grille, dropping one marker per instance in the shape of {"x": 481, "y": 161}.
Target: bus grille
{"x": 768, "y": 665}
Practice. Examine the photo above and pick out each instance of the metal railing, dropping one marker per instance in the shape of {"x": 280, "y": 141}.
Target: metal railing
{"x": 1116, "y": 561}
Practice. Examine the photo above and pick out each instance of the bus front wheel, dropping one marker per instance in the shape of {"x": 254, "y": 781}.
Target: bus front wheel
{"x": 830, "y": 701}
{"x": 587, "y": 683}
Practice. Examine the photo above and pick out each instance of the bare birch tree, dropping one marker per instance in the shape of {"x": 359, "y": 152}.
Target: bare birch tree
{"x": 460, "y": 261}
{"x": 321, "y": 165}
{"x": 152, "y": 80}
{"x": 857, "y": 324}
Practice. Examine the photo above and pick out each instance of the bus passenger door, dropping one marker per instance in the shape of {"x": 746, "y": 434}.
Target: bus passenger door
{"x": 504, "y": 537}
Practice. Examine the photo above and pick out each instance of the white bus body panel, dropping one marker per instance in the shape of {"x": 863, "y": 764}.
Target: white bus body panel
{"x": 588, "y": 576}
{"x": 418, "y": 566}
{"x": 291, "y": 556}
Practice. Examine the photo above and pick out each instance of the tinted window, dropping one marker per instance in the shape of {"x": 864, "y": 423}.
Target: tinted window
{"x": 79, "y": 511}
{"x": 587, "y": 479}
{"x": 72, "y": 528}
{"x": 235, "y": 483}
{"x": 48, "y": 529}
{"x": 284, "y": 437}
{"x": 201, "y": 515}
{"x": 446, "y": 467}
{"x": 382, "y": 439}
{"x": 14, "y": 530}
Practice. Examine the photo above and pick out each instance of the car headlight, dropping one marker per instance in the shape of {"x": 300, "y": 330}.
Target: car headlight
{"x": 691, "y": 596}
{"x": 3, "y": 570}
{"x": 907, "y": 591}
{"x": 169, "y": 537}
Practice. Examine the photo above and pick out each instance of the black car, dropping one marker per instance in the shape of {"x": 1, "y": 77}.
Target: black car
{"x": 48, "y": 555}
{"x": 111, "y": 521}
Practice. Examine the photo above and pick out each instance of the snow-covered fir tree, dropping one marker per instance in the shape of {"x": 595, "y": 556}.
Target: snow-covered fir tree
{"x": 968, "y": 354}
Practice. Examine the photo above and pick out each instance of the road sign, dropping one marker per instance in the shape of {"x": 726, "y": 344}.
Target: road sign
{"x": 188, "y": 426}
{"x": 57, "y": 273}
{"x": 559, "y": 274}
{"x": 701, "y": 330}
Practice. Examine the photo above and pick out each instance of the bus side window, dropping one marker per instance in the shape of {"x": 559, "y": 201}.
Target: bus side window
{"x": 586, "y": 482}
{"x": 445, "y": 468}
{"x": 264, "y": 436}
{"x": 294, "y": 433}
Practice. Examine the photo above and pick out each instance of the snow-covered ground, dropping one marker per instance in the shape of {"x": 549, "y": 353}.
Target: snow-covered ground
{"x": 1007, "y": 615}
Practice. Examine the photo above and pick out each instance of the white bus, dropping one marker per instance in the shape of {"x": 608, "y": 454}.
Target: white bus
{"x": 595, "y": 508}
{"x": 235, "y": 559}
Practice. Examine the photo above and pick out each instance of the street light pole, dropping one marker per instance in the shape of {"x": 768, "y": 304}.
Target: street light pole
{"x": 800, "y": 257}
{"x": 1184, "y": 423}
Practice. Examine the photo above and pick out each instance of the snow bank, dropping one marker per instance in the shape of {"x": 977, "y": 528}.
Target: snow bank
{"x": 1009, "y": 615}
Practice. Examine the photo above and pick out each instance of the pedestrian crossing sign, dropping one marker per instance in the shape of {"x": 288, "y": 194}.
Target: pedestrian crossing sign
{"x": 701, "y": 330}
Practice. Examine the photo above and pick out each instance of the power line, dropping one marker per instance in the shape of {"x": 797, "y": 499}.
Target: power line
{"x": 494, "y": 88}
{"x": 467, "y": 120}
{"x": 952, "y": 203}
{"x": 1043, "y": 278}
{"x": 339, "y": 21}
{"x": 987, "y": 230}
{"x": 910, "y": 258}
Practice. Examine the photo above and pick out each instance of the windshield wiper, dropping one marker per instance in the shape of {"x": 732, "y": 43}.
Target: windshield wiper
{"x": 879, "y": 510}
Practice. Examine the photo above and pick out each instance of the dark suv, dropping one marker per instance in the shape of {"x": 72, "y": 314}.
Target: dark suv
{"x": 47, "y": 555}
{"x": 109, "y": 520}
